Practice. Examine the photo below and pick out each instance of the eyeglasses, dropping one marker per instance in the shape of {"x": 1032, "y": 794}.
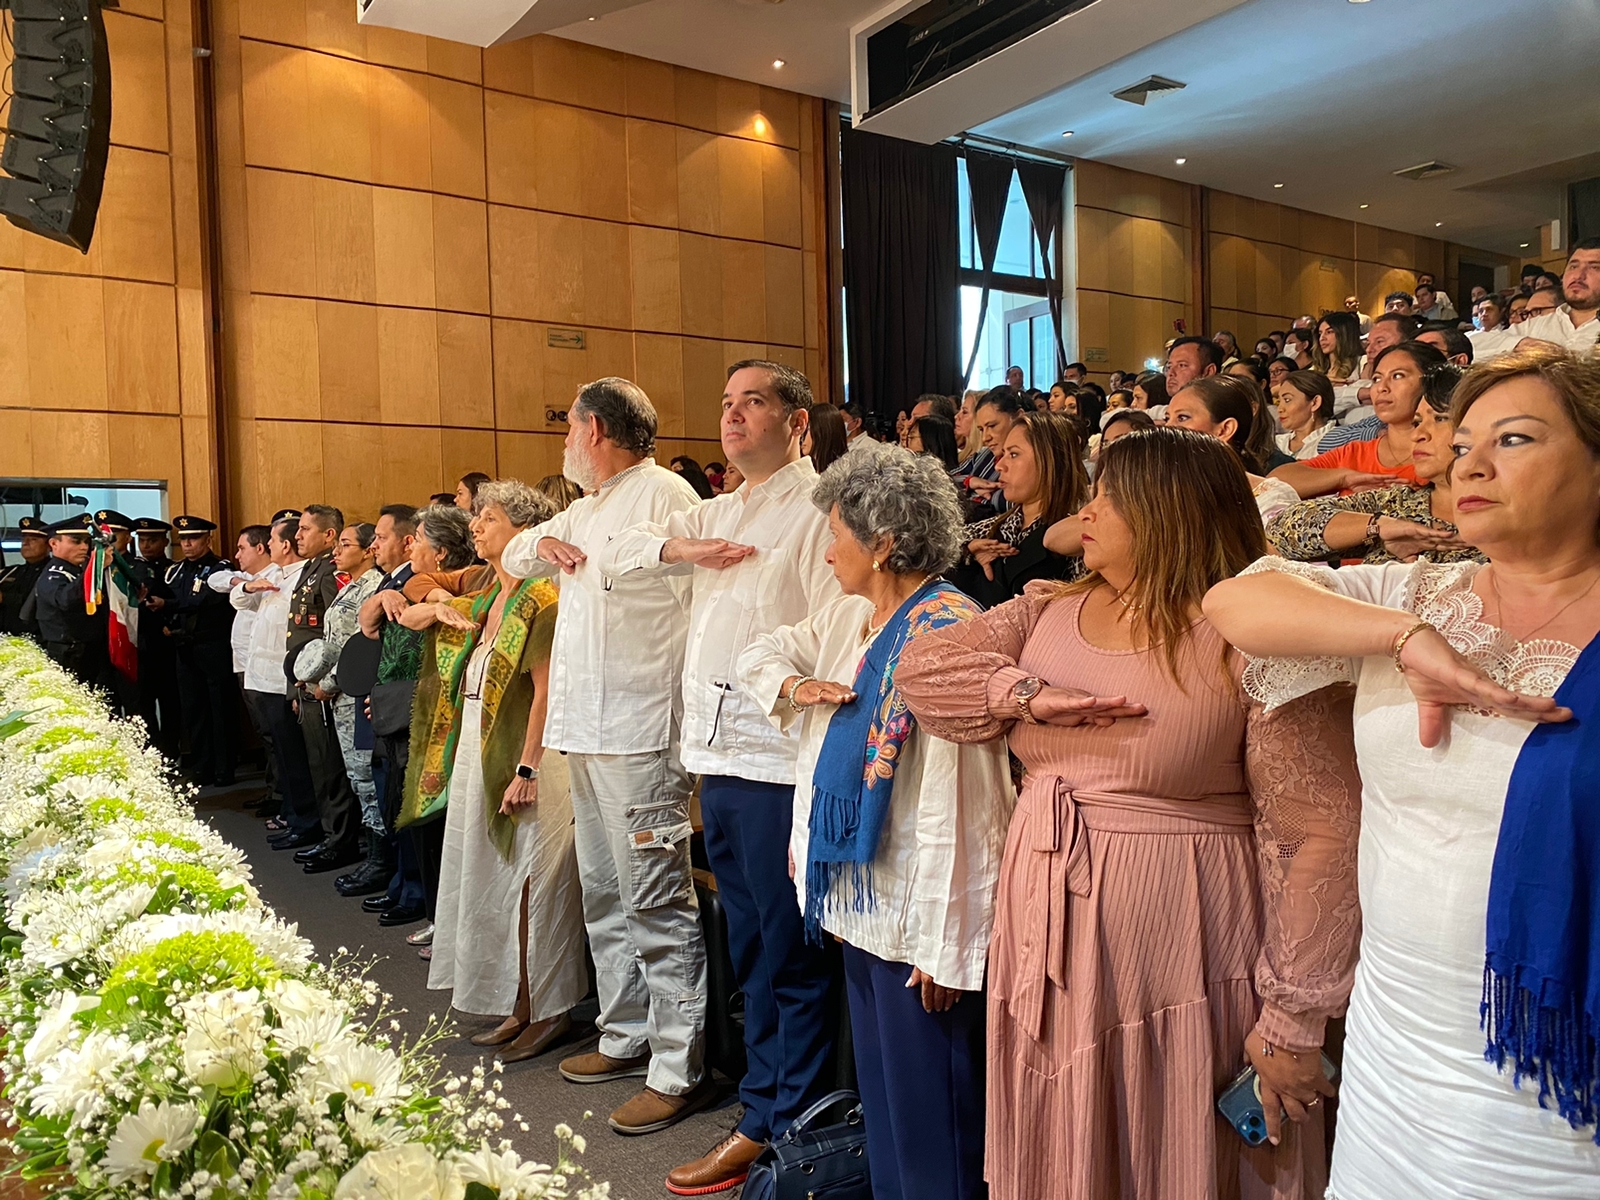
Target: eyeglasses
{"x": 1538, "y": 310}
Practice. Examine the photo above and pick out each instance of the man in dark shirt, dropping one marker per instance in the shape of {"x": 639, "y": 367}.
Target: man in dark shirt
{"x": 72, "y": 636}
{"x": 201, "y": 625}
{"x": 159, "y": 701}
{"x": 320, "y": 526}
{"x": 17, "y": 580}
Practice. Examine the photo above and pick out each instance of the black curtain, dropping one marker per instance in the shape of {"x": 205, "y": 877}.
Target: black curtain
{"x": 989, "y": 177}
{"x": 1042, "y": 185}
{"x": 901, "y": 253}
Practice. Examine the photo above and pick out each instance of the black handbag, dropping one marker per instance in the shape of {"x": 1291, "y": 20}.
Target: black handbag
{"x": 391, "y": 707}
{"x": 829, "y": 1163}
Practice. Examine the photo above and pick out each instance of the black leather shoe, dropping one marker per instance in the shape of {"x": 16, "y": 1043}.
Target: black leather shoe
{"x": 310, "y": 852}
{"x": 377, "y": 904}
{"x": 331, "y": 858}
{"x": 370, "y": 879}
{"x": 402, "y": 915}
{"x": 296, "y": 841}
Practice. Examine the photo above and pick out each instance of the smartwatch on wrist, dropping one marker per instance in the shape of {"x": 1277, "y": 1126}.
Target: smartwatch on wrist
{"x": 1023, "y": 692}
{"x": 524, "y": 771}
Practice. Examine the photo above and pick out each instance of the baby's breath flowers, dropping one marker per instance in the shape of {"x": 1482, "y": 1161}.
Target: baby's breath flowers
{"x": 165, "y": 1035}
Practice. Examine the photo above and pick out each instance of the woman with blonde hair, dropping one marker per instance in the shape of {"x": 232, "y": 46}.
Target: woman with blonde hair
{"x": 1044, "y": 480}
{"x": 509, "y": 873}
{"x": 1137, "y": 914}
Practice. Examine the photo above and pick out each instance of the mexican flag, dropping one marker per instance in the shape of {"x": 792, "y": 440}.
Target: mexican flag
{"x": 107, "y": 581}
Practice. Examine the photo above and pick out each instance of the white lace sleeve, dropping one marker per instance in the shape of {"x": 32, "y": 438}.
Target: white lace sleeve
{"x": 1276, "y": 681}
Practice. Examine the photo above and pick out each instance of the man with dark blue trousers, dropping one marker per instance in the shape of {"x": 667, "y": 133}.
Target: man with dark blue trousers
{"x": 756, "y": 560}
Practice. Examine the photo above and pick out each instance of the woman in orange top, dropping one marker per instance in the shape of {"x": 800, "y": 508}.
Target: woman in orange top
{"x": 1356, "y": 466}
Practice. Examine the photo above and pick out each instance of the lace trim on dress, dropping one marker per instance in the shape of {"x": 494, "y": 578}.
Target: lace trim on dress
{"x": 1277, "y": 681}
{"x": 1442, "y": 595}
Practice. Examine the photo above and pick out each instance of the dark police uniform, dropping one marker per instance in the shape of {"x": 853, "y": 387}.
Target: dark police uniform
{"x": 201, "y": 625}
{"x": 336, "y": 799}
{"x": 72, "y": 637}
{"x": 159, "y": 702}
{"x": 17, "y": 582}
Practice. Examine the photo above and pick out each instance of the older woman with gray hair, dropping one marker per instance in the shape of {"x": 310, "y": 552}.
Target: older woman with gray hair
{"x": 897, "y": 835}
{"x": 509, "y": 874}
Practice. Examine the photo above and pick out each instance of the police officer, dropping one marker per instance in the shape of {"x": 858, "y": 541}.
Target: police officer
{"x": 71, "y": 635}
{"x": 17, "y": 580}
{"x": 159, "y": 703}
{"x": 201, "y": 624}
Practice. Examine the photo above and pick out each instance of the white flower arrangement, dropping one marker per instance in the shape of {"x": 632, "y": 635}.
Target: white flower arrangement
{"x": 163, "y": 1034}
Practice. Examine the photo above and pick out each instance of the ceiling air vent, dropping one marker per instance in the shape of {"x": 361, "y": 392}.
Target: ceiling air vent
{"x": 1154, "y": 85}
{"x": 1427, "y": 170}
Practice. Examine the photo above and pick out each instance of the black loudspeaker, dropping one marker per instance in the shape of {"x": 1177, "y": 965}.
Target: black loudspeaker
{"x": 58, "y": 133}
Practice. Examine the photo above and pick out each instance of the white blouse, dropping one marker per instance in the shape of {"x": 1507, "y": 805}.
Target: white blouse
{"x": 1421, "y": 1113}
{"x": 938, "y": 863}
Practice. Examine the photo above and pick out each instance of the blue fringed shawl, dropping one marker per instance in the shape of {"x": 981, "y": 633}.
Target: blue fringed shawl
{"x": 853, "y": 782}
{"x": 1541, "y": 980}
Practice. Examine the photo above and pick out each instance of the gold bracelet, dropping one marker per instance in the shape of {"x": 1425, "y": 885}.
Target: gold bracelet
{"x": 1400, "y": 643}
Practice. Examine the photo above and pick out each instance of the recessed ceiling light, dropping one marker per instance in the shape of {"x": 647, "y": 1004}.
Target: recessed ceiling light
{"x": 1438, "y": 224}
{"x": 1180, "y": 161}
{"x": 1523, "y": 246}
{"x": 1358, "y": 1}
{"x": 1366, "y": 206}
{"x": 1066, "y": 133}
{"x": 778, "y": 63}
{"x": 1277, "y": 185}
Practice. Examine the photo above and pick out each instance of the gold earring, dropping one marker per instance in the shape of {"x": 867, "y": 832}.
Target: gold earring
{"x": 876, "y": 565}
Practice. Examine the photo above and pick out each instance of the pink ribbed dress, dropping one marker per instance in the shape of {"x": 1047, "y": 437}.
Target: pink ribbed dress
{"x": 1130, "y": 926}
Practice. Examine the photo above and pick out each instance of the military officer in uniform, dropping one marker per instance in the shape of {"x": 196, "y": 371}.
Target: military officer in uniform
{"x": 71, "y": 635}
{"x": 17, "y": 580}
{"x": 159, "y": 702}
{"x": 318, "y": 534}
{"x": 201, "y": 625}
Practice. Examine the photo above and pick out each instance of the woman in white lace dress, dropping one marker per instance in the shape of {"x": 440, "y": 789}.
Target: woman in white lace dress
{"x": 1423, "y": 1111}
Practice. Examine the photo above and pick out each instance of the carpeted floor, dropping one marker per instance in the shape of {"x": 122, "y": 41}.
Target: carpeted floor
{"x": 635, "y": 1167}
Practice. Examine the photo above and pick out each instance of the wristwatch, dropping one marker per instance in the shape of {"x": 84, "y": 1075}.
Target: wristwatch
{"x": 524, "y": 771}
{"x": 1024, "y": 691}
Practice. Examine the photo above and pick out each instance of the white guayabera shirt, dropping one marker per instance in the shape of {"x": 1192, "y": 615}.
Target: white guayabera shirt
{"x": 263, "y": 668}
{"x": 619, "y": 642}
{"x": 1554, "y": 327}
{"x": 725, "y": 729}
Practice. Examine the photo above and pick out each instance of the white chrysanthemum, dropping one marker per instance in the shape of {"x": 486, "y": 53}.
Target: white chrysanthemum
{"x": 56, "y": 1027}
{"x": 157, "y": 1133}
{"x": 367, "y": 1076}
{"x": 374, "y": 1133}
{"x": 109, "y": 852}
{"x": 73, "y": 1082}
{"x": 505, "y": 1173}
{"x": 403, "y": 1173}
{"x": 317, "y": 1033}
{"x": 225, "y": 1040}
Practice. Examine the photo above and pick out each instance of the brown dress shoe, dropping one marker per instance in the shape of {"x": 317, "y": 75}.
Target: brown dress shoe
{"x": 602, "y": 1068}
{"x": 651, "y": 1111}
{"x": 722, "y": 1167}
{"x": 535, "y": 1039}
{"x": 506, "y": 1031}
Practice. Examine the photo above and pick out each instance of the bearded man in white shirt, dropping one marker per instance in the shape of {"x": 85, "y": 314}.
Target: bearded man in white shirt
{"x": 756, "y": 560}
{"x": 1572, "y": 327}
{"x": 615, "y": 712}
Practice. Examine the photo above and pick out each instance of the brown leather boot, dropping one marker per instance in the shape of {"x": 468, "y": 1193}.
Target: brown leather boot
{"x": 651, "y": 1111}
{"x": 722, "y": 1167}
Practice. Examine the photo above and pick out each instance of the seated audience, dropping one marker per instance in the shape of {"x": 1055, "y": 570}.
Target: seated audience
{"x": 1064, "y": 398}
{"x": 1297, "y": 347}
{"x": 1279, "y": 369}
{"x": 1352, "y": 402}
{"x": 936, "y": 436}
{"x": 1337, "y": 350}
{"x": 1396, "y": 392}
{"x": 1043, "y": 477}
{"x": 1517, "y": 312}
{"x": 1223, "y": 407}
{"x": 864, "y": 853}
{"x": 1403, "y": 303}
{"x": 1490, "y": 313}
{"x": 997, "y": 411}
{"x": 933, "y": 405}
{"x": 1150, "y": 394}
{"x": 1388, "y": 524}
{"x": 1562, "y": 316}
{"x": 1135, "y": 830}
{"x": 1449, "y": 341}
{"x": 1305, "y": 410}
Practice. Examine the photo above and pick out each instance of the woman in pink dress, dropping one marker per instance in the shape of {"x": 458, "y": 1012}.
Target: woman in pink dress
{"x": 1137, "y": 928}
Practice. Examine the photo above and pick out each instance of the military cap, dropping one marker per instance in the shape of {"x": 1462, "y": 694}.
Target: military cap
{"x": 34, "y": 526}
{"x": 188, "y": 526}
{"x": 286, "y": 514}
{"x": 82, "y": 523}
{"x": 151, "y": 525}
{"x": 112, "y": 519}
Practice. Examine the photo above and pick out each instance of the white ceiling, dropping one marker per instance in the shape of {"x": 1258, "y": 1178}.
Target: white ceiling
{"x": 1327, "y": 97}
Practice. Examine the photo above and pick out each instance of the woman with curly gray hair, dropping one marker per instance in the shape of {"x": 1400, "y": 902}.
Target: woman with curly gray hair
{"x": 509, "y": 872}
{"x": 897, "y": 835}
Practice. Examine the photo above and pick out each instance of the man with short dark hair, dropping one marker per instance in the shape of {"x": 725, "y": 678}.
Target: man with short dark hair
{"x": 316, "y": 535}
{"x": 1438, "y": 306}
{"x": 1449, "y": 341}
{"x": 1402, "y": 303}
{"x": 73, "y": 637}
{"x": 1571, "y": 324}
{"x": 1075, "y": 372}
{"x": 855, "y": 433}
{"x": 932, "y": 405}
{"x": 200, "y": 622}
{"x": 619, "y": 647}
{"x": 252, "y": 556}
{"x": 17, "y": 580}
{"x": 1014, "y": 378}
{"x": 756, "y": 561}
{"x": 1191, "y": 358}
